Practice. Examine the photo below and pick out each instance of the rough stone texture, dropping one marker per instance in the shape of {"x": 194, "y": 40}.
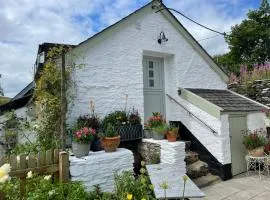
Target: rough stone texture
{"x": 170, "y": 152}
{"x": 99, "y": 168}
{"x": 259, "y": 91}
{"x": 191, "y": 157}
{"x": 197, "y": 169}
{"x": 206, "y": 180}
{"x": 150, "y": 152}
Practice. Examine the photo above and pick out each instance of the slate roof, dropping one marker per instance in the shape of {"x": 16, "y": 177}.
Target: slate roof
{"x": 227, "y": 100}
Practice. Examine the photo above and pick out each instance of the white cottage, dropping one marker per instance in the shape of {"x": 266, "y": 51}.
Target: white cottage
{"x": 150, "y": 57}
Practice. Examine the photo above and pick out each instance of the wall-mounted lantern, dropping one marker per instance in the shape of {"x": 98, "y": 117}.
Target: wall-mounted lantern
{"x": 162, "y": 38}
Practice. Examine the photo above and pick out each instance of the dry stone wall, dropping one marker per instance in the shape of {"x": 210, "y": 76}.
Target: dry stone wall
{"x": 258, "y": 90}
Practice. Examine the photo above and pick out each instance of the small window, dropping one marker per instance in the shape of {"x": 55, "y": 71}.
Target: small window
{"x": 151, "y": 83}
{"x": 151, "y": 64}
{"x": 151, "y": 73}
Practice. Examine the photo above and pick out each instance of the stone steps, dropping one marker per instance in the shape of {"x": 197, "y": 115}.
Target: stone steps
{"x": 191, "y": 157}
{"x": 197, "y": 169}
{"x": 207, "y": 180}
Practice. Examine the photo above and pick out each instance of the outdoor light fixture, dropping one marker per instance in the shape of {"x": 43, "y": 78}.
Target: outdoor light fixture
{"x": 162, "y": 38}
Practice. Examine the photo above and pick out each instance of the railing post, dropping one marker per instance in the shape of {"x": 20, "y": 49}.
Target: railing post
{"x": 63, "y": 167}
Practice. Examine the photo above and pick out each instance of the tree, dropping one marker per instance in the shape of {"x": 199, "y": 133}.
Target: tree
{"x": 249, "y": 42}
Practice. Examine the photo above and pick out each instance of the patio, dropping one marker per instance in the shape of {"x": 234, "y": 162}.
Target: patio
{"x": 241, "y": 187}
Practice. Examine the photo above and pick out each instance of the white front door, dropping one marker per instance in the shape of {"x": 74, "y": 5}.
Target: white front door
{"x": 153, "y": 79}
{"x": 238, "y": 124}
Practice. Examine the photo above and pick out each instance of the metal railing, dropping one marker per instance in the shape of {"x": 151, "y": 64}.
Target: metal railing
{"x": 193, "y": 115}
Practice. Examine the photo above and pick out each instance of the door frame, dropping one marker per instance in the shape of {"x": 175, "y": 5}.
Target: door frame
{"x": 161, "y": 59}
{"x": 232, "y": 115}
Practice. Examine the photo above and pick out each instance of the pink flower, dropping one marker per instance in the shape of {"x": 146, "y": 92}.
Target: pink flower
{"x": 93, "y": 131}
{"x": 85, "y": 130}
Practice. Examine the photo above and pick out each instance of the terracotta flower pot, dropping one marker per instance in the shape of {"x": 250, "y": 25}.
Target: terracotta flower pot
{"x": 257, "y": 152}
{"x": 80, "y": 149}
{"x": 110, "y": 144}
{"x": 171, "y": 136}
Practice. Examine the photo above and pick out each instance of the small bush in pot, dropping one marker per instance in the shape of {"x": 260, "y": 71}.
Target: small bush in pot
{"x": 254, "y": 142}
{"x": 82, "y": 140}
{"x": 172, "y": 133}
{"x": 157, "y": 125}
{"x": 110, "y": 138}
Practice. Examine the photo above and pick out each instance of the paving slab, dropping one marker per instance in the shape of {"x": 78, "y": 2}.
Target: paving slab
{"x": 172, "y": 175}
{"x": 241, "y": 187}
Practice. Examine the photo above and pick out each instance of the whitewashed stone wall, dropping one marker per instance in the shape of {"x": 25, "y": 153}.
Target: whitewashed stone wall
{"x": 99, "y": 167}
{"x": 113, "y": 65}
{"x": 255, "y": 120}
{"x": 26, "y": 113}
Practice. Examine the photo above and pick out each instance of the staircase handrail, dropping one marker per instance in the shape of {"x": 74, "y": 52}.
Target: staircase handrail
{"x": 193, "y": 115}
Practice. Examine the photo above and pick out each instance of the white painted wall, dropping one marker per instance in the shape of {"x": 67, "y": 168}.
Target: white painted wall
{"x": 255, "y": 121}
{"x": 113, "y": 65}
{"x": 23, "y": 112}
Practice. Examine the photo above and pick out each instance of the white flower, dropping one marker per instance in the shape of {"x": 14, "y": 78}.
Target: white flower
{"x": 4, "y": 170}
{"x": 50, "y": 193}
{"x": 47, "y": 177}
{"x": 29, "y": 174}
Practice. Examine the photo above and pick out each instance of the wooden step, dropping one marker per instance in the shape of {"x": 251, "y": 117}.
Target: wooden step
{"x": 208, "y": 179}
{"x": 197, "y": 169}
{"x": 191, "y": 157}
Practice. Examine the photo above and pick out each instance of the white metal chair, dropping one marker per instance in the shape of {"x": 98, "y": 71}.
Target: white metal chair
{"x": 266, "y": 167}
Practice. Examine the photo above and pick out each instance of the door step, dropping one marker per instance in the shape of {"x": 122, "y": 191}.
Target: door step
{"x": 191, "y": 157}
{"x": 207, "y": 180}
{"x": 197, "y": 169}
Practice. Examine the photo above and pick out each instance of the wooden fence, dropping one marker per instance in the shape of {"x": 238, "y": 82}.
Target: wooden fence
{"x": 54, "y": 162}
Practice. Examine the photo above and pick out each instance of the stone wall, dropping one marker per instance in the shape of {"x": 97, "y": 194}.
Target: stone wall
{"x": 162, "y": 151}
{"x": 98, "y": 168}
{"x": 259, "y": 90}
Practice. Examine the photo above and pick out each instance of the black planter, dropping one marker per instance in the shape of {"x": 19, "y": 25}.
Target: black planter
{"x": 131, "y": 132}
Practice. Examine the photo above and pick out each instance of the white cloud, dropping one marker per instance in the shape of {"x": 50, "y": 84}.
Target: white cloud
{"x": 26, "y": 23}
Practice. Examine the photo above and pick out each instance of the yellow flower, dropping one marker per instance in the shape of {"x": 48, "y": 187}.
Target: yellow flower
{"x": 164, "y": 185}
{"x": 143, "y": 199}
{"x": 4, "y": 170}
{"x": 151, "y": 187}
{"x": 142, "y": 163}
{"x": 185, "y": 178}
{"x": 129, "y": 196}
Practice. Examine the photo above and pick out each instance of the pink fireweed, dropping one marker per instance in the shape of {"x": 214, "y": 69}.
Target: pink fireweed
{"x": 84, "y": 135}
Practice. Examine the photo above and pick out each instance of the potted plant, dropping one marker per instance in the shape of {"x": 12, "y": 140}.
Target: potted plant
{"x": 172, "y": 133}
{"x": 255, "y": 142}
{"x": 157, "y": 125}
{"x": 82, "y": 141}
{"x": 110, "y": 138}
{"x": 127, "y": 124}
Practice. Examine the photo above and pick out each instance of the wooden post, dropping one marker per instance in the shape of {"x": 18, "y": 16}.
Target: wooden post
{"x": 63, "y": 102}
{"x": 63, "y": 167}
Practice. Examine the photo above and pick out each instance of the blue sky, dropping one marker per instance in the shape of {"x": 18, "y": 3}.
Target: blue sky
{"x": 26, "y": 23}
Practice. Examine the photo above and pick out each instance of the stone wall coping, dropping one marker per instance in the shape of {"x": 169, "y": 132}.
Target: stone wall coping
{"x": 177, "y": 143}
{"x": 101, "y": 155}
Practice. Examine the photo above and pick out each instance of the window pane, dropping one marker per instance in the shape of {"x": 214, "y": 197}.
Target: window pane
{"x": 151, "y": 83}
{"x": 151, "y": 64}
{"x": 151, "y": 73}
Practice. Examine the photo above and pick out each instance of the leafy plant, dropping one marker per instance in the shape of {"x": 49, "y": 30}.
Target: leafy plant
{"x": 110, "y": 131}
{"x": 254, "y": 139}
{"x": 116, "y": 118}
{"x": 155, "y": 121}
{"x": 84, "y": 135}
{"x": 161, "y": 128}
{"x": 174, "y": 130}
{"x": 91, "y": 121}
{"x": 134, "y": 118}
{"x": 139, "y": 188}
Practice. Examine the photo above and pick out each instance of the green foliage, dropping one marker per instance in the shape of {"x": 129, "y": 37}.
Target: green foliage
{"x": 249, "y": 41}
{"x": 88, "y": 121}
{"x": 253, "y": 140}
{"x": 40, "y": 188}
{"x": 161, "y": 128}
{"x": 97, "y": 194}
{"x": 116, "y": 118}
{"x": 109, "y": 131}
{"x": 139, "y": 187}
